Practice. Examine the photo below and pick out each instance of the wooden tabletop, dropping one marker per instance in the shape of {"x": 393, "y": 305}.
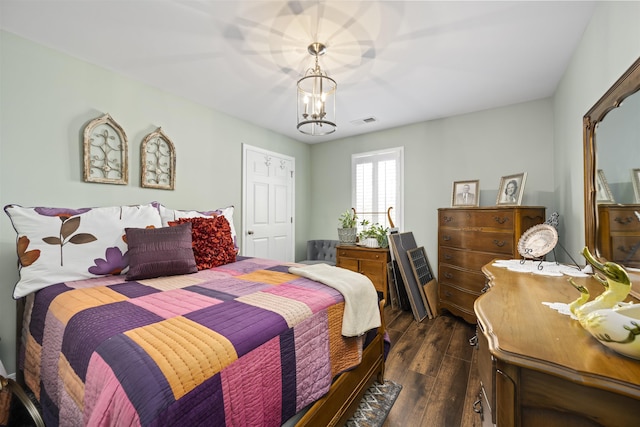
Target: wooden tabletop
{"x": 524, "y": 332}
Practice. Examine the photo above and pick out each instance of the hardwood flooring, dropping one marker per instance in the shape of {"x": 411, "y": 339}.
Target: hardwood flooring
{"x": 435, "y": 364}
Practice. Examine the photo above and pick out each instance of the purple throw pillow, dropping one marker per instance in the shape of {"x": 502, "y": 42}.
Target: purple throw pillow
{"x": 156, "y": 252}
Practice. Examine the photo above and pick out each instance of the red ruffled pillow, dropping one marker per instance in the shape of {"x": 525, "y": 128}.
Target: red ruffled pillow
{"x": 211, "y": 240}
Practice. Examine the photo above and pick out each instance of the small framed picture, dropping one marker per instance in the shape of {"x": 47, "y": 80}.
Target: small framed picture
{"x": 511, "y": 189}
{"x": 603, "y": 192}
{"x": 466, "y": 193}
{"x": 635, "y": 178}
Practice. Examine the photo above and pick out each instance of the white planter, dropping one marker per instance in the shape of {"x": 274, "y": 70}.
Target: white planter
{"x": 370, "y": 242}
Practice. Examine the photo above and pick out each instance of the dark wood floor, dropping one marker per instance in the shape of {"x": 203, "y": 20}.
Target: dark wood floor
{"x": 435, "y": 364}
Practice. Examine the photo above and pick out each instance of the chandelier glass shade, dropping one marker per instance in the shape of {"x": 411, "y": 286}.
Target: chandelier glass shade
{"x": 316, "y": 98}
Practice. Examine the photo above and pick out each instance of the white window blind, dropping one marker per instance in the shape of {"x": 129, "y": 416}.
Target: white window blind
{"x": 377, "y": 185}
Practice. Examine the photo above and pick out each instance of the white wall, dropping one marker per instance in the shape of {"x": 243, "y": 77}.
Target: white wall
{"x": 46, "y": 100}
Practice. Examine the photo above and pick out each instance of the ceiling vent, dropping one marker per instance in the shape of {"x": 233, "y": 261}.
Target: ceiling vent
{"x": 365, "y": 121}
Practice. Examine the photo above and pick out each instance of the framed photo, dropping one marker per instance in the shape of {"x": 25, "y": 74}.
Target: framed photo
{"x": 635, "y": 178}
{"x": 603, "y": 192}
{"x": 511, "y": 189}
{"x": 466, "y": 193}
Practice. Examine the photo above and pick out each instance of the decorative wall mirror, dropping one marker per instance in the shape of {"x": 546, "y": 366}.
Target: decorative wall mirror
{"x": 597, "y": 147}
{"x": 105, "y": 152}
{"x": 158, "y": 161}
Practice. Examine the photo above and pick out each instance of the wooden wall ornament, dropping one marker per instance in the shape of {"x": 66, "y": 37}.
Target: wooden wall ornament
{"x": 158, "y": 161}
{"x": 105, "y": 152}
{"x": 400, "y": 244}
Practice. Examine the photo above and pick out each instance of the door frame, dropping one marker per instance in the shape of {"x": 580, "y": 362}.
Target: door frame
{"x": 245, "y": 148}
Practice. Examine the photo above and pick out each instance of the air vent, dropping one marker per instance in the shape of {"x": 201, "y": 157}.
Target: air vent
{"x": 366, "y": 120}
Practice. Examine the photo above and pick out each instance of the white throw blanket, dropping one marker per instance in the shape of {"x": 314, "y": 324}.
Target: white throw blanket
{"x": 361, "y": 311}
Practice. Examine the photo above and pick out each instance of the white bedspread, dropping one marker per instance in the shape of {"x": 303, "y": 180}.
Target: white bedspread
{"x": 361, "y": 311}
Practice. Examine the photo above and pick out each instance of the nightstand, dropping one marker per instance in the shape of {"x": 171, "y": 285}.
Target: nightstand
{"x": 372, "y": 262}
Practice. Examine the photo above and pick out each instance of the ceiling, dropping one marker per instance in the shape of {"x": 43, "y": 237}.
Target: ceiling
{"x": 398, "y": 62}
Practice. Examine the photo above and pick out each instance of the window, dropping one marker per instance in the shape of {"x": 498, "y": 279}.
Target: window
{"x": 377, "y": 184}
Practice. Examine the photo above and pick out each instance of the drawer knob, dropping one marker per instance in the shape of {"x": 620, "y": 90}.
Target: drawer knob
{"x": 499, "y": 243}
{"x": 446, "y": 238}
{"x": 448, "y": 275}
{"x": 632, "y": 249}
{"x": 447, "y": 219}
{"x": 624, "y": 221}
{"x": 448, "y": 294}
{"x": 500, "y": 220}
{"x": 448, "y": 257}
{"x": 377, "y": 256}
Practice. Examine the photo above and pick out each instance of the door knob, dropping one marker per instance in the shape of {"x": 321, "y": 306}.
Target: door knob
{"x": 250, "y": 232}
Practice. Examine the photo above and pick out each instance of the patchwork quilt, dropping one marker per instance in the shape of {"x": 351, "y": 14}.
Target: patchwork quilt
{"x": 243, "y": 344}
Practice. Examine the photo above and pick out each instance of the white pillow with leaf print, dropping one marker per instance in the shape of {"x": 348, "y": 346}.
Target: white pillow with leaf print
{"x": 59, "y": 245}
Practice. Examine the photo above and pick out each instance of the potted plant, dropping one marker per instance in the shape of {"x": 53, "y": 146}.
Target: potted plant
{"x": 374, "y": 235}
{"x": 348, "y": 233}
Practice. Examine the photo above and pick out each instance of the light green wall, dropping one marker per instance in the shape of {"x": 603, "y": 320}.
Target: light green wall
{"x": 485, "y": 145}
{"x": 610, "y": 44}
{"x": 543, "y": 138}
{"x": 46, "y": 99}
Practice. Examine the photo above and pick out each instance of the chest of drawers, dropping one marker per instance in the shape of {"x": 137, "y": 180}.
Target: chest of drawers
{"x": 368, "y": 261}
{"x": 540, "y": 368}
{"x": 619, "y": 234}
{"x": 469, "y": 238}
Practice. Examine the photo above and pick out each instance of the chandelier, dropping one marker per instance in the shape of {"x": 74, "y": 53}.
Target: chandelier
{"x": 316, "y": 98}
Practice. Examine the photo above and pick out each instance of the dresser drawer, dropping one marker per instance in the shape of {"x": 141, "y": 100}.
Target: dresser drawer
{"x": 380, "y": 255}
{"x": 466, "y": 259}
{"x": 456, "y": 296}
{"x": 623, "y": 220}
{"x": 472, "y": 281}
{"x": 499, "y": 219}
{"x": 623, "y": 246}
{"x": 499, "y": 243}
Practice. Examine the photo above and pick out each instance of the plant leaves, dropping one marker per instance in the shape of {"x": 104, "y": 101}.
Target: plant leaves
{"x": 52, "y": 240}
{"x": 82, "y": 238}
{"x": 26, "y": 257}
{"x": 69, "y": 227}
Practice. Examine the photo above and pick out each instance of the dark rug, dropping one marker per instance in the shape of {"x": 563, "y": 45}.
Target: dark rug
{"x": 375, "y": 405}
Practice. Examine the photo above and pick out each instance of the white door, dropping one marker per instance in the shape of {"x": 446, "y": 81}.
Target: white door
{"x": 268, "y": 200}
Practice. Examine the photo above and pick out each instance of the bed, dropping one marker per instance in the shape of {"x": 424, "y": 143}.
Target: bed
{"x": 240, "y": 341}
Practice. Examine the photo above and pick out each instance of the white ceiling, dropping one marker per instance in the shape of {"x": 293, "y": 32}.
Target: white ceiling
{"x": 398, "y": 61}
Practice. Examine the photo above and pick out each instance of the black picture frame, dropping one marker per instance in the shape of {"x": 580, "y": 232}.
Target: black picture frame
{"x": 401, "y": 243}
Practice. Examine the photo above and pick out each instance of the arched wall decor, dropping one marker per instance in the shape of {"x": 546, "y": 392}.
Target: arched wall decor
{"x": 105, "y": 152}
{"x": 158, "y": 161}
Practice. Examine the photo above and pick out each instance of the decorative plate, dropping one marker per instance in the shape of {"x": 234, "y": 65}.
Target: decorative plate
{"x": 538, "y": 241}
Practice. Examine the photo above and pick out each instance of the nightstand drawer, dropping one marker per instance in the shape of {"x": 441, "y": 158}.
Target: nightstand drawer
{"x": 377, "y": 255}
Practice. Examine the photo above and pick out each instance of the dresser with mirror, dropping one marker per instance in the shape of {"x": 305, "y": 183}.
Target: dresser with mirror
{"x": 539, "y": 367}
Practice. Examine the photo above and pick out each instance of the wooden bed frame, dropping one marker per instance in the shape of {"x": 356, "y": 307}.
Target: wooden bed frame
{"x": 347, "y": 390}
{"x": 333, "y": 409}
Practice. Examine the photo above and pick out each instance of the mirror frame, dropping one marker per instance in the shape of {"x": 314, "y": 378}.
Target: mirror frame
{"x": 625, "y": 86}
